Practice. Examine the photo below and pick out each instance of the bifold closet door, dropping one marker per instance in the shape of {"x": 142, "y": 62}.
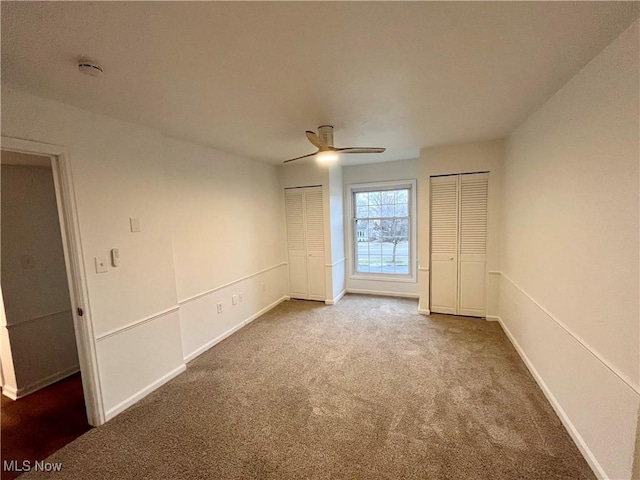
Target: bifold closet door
{"x": 472, "y": 244}
{"x": 444, "y": 244}
{"x": 458, "y": 243}
{"x": 315, "y": 242}
{"x": 297, "y": 250}
{"x": 305, "y": 242}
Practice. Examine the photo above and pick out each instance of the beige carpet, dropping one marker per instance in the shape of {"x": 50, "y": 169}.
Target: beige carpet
{"x": 364, "y": 389}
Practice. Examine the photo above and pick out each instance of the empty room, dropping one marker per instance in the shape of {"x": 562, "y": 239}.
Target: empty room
{"x": 328, "y": 240}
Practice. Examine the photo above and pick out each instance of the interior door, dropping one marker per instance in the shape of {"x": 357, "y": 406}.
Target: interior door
{"x": 444, "y": 244}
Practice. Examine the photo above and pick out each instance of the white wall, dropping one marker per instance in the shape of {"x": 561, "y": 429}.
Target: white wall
{"x": 40, "y": 340}
{"x": 378, "y": 172}
{"x": 226, "y": 224}
{"x": 141, "y": 309}
{"x": 570, "y": 283}
{"x": 473, "y": 157}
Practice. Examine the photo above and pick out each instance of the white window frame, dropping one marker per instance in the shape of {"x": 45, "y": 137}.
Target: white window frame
{"x": 352, "y": 189}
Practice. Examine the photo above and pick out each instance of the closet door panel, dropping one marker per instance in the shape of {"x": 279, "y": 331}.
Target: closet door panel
{"x": 444, "y": 244}
{"x": 296, "y": 244}
{"x": 314, "y": 216}
{"x": 298, "y": 274}
{"x": 472, "y": 288}
{"x": 315, "y": 262}
{"x": 473, "y": 244}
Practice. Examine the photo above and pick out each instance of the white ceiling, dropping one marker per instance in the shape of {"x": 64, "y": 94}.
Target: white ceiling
{"x": 250, "y": 78}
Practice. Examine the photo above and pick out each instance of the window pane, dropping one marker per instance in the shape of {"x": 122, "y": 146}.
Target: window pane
{"x": 374, "y": 211}
{"x": 382, "y": 240}
{"x": 401, "y": 210}
{"x": 387, "y": 211}
{"x": 402, "y": 196}
{"x": 362, "y": 198}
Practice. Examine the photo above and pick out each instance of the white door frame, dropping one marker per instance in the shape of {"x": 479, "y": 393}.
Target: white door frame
{"x": 78, "y": 291}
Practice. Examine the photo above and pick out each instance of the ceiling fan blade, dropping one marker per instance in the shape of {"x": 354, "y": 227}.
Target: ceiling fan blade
{"x": 316, "y": 140}
{"x": 299, "y": 158}
{"x": 360, "y": 150}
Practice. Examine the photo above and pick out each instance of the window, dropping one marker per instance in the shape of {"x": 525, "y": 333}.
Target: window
{"x": 382, "y": 228}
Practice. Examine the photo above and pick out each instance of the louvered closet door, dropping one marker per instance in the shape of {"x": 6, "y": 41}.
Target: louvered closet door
{"x": 314, "y": 232}
{"x": 473, "y": 244}
{"x": 296, "y": 245}
{"x": 444, "y": 244}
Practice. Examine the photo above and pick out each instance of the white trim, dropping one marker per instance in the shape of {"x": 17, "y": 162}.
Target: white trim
{"x": 343, "y": 259}
{"x": 38, "y": 384}
{"x": 10, "y": 392}
{"x": 575, "y": 435}
{"x": 382, "y": 293}
{"x": 136, "y": 397}
{"x": 392, "y": 278}
{"x": 200, "y": 350}
{"x": 135, "y": 323}
{"x": 35, "y": 319}
{"x": 72, "y": 247}
{"x": 627, "y": 381}
{"x": 208, "y": 292}
{"x": 336, "y": 299}
{"x": 493, "y": 318}
{"x": 424, "y": 311}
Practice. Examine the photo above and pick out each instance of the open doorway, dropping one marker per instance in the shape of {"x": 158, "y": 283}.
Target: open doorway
{"x": 43, "y": 406}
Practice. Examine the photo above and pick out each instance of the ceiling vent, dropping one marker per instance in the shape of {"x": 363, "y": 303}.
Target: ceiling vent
{"x": 89, "y": 67}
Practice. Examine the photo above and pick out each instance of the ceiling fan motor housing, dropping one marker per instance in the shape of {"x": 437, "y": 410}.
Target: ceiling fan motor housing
{"x": 325, "y": 132}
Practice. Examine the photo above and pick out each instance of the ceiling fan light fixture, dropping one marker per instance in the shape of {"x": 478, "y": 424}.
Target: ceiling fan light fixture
{"x": 326, "y": 157}
{"x": 326, "y": 151}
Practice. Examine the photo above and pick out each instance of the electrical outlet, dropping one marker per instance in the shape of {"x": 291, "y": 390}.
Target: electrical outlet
{"x": 219, "y": 305}
{"x": 234, "y": 299}
{"x": 240, "y": 297}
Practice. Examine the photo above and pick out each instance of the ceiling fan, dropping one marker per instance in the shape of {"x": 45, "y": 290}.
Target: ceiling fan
{"x": 326, "y": 151}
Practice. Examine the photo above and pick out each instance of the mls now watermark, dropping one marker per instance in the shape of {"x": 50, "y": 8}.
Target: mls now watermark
{"x": 27, "y": 466}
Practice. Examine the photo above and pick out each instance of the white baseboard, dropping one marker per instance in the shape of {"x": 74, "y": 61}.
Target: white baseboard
{"x": 493, "y": 318}
{"x": 573, "y": 432}
{"x": 219, "y": 338}
{"x": 382, "y": 293}
{"x": 336, "y": 299}
{"x": 136, "y": 397}
{"x": 9, "y": 391}
{"x": 15, "y": 394}
{"x": 424, "y": 311}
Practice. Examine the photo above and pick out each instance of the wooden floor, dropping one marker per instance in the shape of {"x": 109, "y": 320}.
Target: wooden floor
{"x": 37, "y": 425}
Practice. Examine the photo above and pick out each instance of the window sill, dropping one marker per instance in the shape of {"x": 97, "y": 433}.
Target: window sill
{"x": 384, "y": 278}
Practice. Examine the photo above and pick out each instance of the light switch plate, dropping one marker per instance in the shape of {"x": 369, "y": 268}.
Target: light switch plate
{"x": 101, "y": 265}
{"x": 234, "y": 299}
{"x": 135, "y": 224}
